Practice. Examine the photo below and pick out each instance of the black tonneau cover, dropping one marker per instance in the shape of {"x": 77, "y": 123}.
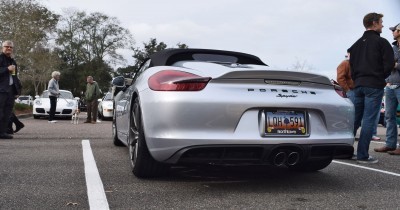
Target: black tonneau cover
{"x": 168, "y": 57}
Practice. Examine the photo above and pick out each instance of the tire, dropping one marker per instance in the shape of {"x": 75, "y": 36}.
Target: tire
{"x": 116, "y": 141}
{"x": 310, "y": 166}
{"x": 143, "y": 164}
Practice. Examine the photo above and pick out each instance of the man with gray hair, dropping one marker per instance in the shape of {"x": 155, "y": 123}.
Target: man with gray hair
{"x": 91, "y": 95}
{"x": 54, "y": 92}
{"x": 8, "y": 86}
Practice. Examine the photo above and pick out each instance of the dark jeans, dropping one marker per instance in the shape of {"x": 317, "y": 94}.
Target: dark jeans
{"x": 91, "y": 107}
{"x": 367, "y": 103}
{"x": 14, "y": 120}
{"x": 6, "y": 105}
{"x": 53, "y": 105}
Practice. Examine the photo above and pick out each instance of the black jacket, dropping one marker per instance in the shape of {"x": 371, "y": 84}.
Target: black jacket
{"x": 371, "y": 60}
{"x": 5, "y": 76}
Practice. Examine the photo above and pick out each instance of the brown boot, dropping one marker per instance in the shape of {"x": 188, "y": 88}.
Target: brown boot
{"x": 395, "y": 152}
{"x": 384, "y": 149}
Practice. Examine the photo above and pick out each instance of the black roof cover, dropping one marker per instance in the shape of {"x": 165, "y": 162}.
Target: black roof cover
{"x": 168, "y": 57}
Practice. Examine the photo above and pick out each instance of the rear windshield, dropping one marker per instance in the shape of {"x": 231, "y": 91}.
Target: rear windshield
{"x": 23, "y": 98}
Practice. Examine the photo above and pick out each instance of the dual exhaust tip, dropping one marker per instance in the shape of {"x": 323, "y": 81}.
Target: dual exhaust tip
{"x": 286, "y": 158}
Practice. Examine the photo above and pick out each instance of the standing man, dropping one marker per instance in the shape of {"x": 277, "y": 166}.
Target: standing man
{"x": 392, "y": 97}
{"x": 343, "y": 77}
{"x": 371, "y": 62}
{"x": 91, "y": 96}
{"x": 8, "y": 86}
{"x": 54, "y": 93}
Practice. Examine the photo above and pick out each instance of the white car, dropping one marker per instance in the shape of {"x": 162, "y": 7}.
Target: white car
{"x": 25, "y": 100}
{"x": 67, "y": 105}
{"x": 105, "y": 108}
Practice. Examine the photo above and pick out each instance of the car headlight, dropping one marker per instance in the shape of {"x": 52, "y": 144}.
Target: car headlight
{"x": 38, "y": 102}
{"x": 70, "y": 104}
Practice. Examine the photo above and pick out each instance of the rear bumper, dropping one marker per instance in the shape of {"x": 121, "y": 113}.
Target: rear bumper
{"x": 258, "y": 154}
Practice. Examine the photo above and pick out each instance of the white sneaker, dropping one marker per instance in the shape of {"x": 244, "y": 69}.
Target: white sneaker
{"x": 53, "y": 121}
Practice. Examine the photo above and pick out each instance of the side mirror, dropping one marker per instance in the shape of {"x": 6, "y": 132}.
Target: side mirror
{"x": 37, "y": 96}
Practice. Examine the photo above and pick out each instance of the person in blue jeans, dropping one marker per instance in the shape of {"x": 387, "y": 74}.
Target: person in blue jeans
{"x": 371, "y": 62}
{"x": 375, "y": 136}
{"x": 392, "y": 96}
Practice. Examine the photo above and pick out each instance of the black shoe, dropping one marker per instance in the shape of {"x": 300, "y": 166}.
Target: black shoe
{"x": 19, "y": 127}
{"x": 5, "y": 136}
{"x": 10, "y": 131}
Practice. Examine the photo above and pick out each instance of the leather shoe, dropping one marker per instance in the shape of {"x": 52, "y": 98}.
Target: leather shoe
{"x": 10, "y": 131}
{"x": 395, "y": 152}
{"x": 19, "y": 127}
{"x": 384, "y": 149}
{"x": 5, "y": 136}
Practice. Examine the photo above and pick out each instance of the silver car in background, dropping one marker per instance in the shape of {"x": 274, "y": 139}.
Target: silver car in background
{"x": 203, "y": 106}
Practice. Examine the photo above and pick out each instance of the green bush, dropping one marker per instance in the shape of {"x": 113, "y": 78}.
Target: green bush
{"x": 22, "y": 107}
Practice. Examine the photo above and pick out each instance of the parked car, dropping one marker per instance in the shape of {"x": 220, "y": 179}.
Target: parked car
{"x": 25, "y": 100}
{"x": 106, "y": 107}
{"x": 203, "y": 106}
{"x": 66, "y": 105}
{"x": 82, "y": 105}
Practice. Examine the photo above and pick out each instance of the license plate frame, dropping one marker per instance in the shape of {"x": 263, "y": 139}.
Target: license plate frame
{"x": 283, "y": 123}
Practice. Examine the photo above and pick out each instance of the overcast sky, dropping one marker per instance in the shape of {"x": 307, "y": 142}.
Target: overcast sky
{"x": 280, "y": 32}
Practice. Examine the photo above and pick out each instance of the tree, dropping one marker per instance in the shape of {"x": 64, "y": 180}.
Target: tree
{"x": 302, "y": 66}
{"x": 42, "y": 62}
{"x": 141, "y": 55}
{"x": 88, "y": 45}
{"x": 30, "y": 26}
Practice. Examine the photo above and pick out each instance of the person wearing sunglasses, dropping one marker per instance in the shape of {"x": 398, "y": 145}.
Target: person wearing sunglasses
{"x": 8, "y": 86}
{"x": 392, "y": 97}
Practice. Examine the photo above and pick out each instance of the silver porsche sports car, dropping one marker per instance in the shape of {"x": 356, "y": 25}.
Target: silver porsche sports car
{"x": 203, "y": 106}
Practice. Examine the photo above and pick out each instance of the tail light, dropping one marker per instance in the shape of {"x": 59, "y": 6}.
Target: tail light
{"x": 172, "y": 80}
{"x": 339, "y": 90}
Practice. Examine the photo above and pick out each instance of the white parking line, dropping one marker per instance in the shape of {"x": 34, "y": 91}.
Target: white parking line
{"x": 95, "y": 190}
{"x": 363, "y": 167}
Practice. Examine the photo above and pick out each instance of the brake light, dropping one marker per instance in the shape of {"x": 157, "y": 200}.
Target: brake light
{"x": 339, "y": 90}
{"x": 172, "y": 80}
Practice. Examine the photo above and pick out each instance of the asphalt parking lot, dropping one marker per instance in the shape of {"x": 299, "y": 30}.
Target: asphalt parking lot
{"x": 66, "y": 166}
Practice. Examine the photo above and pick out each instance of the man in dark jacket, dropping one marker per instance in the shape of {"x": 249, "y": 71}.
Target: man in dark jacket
{"x": 8, "y": 86}
{"x": 371, "y": 62}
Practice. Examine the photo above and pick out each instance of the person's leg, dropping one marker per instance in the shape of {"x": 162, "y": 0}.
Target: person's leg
{"x": 375, "y": 129}
{"x": 94, "y": 111}
{"x": 372, "y": 103}
{"x": 350, "y": 95}
{"x": 8, "y": 106}
{"x": 390, "y": 117}
{"x": 3, "y": 120}
{"x": 18, "y": 124}
{"x": 89, "y": 111}
{"x": 358, "y": 108}
{"x": 10, "y": 123}
{"x": 53, "y": 105}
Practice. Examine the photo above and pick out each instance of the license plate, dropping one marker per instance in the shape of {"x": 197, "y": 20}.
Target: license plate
{"x": 285, "y": 123}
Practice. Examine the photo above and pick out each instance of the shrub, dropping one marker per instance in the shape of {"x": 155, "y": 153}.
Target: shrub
{"x": 22, "y": 107}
